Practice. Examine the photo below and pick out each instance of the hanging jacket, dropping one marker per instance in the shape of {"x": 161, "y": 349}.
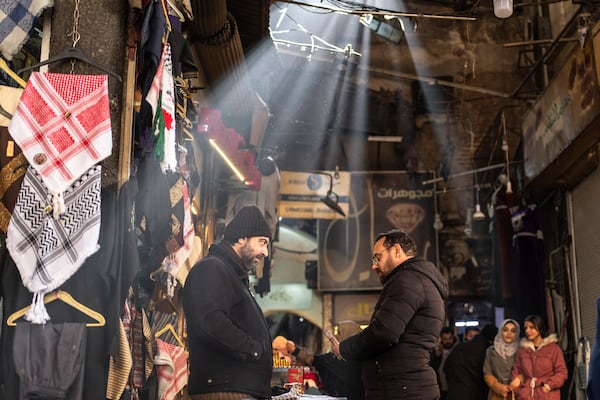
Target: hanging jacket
{"x": 404, "y": 328}
{"x": 229, "y": 340}
{"x": 536, "y": 367}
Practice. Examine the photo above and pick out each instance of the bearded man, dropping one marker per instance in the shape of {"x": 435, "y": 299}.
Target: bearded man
{"x": 229, "y": 341}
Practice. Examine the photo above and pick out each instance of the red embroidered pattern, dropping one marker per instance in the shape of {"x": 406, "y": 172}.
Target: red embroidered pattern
{"x": 61, "y": 139}
{"x": 76, "y": 87}
{"x": 38, "y": 107}
{"x": 89, "y": 120}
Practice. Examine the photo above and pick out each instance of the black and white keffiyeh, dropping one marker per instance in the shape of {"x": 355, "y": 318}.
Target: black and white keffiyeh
{"x": 48, "y": 251}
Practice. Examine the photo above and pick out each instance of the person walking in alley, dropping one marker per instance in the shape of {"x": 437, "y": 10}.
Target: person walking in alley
{"x": 405, "y": 325}
{"x": 539, "y": 370}
{"x": 464, "y": 367}
{"x": 440, "y": 354}
{"x": 499, "y": 360}
{"x": 230, "y": 349}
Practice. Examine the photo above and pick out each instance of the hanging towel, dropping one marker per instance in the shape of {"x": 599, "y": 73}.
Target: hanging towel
{"x": 17, "y": 20}
{"x": 62, "y": 124}
{"x": 171, "y": 369}
{"x": 49, "y": 251}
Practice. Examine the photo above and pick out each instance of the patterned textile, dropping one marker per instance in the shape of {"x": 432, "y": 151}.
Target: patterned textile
{"x": 49, "y": 251}
{"x": 119, "y": 367}
{"x": 173, "y": 262}
{"x": 62, "y": 125}
{"x": 12, "y": 170}
{"x": 17, "y": 20}
{"x": 137, "y": 348}
{"x": 161, "y": 97}
{"x": 171, "y": 369}
{"x": 160, "y": 320}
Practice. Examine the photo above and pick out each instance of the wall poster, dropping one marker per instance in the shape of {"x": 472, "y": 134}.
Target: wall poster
{"x": 379, "y": 201}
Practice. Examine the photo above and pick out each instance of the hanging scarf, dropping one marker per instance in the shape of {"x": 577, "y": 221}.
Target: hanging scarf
{"x": 49, "y": 251}
{"x": 62, "y": 125}
{"x": 504, "y": 349}
{"x": 161, "y": 98}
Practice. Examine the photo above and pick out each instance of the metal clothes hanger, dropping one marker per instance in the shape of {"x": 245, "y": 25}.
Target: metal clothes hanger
{"x": 169, "y": 328}
{"x": 67, "y": 298}
{"x": 71, "y": 53}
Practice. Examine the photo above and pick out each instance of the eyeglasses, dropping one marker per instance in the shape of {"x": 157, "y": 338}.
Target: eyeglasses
{"x": 376, "y": 258}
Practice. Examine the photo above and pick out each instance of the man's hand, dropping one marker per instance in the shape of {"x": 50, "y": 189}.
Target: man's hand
{"x": 335, "y": 344}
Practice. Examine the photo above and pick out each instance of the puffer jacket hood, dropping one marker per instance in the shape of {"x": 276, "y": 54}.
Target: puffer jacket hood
{"x": 426, "y": 268}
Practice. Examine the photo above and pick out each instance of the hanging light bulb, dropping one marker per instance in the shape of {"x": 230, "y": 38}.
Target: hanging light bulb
{"x": 437, "y": 222}
{"x": 478, "y": 215}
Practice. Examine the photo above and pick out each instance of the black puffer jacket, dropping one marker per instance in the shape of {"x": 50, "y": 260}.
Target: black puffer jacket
{"x": 404, "y": 327}
{"x": 229, "y": 339}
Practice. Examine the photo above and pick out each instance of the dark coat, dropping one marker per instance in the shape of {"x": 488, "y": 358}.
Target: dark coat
{"x": 229, "y": 340}
{"x": 403, "y": 329}
{"x": 464, "y": 370}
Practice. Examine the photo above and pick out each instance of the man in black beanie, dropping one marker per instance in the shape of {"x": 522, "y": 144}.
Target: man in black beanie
{"x": 229, "y": 341}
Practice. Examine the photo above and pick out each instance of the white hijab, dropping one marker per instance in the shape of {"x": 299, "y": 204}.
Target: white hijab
{"x": 504, "y": 349}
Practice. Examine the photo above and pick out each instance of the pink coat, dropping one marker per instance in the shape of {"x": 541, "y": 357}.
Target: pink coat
{"x": 546, "y": 365}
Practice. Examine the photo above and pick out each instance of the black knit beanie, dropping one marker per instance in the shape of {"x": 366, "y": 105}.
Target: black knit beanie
{"x": 248, "y": 222}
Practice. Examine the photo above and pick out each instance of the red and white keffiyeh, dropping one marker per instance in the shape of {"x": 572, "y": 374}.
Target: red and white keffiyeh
{"x": 62, "y": 125}
{"x": 171, "y": 369}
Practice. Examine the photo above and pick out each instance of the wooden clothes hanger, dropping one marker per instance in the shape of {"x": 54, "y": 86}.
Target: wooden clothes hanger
{"x": 67, "y": 298}
{"x": 71, "y": 53}
{"x": 169, "y": 328}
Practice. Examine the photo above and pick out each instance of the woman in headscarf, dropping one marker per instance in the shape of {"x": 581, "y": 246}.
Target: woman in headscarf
{"x": 499, "y": 360}
{"x": 539, "y": 370}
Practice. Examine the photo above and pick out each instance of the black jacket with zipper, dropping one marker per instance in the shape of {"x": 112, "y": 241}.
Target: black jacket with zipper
{"x": 229, "y": 339}
{"x": 403, "y": 329}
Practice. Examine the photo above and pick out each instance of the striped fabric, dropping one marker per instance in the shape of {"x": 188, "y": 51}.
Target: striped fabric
{"x": 119, "y": 367}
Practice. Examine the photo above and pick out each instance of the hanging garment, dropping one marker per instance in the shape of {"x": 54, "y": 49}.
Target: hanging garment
{"x": 12, "y": 171}
{"x": 530, "y": 294}
{"x": 48, "y": 251}
{"x": 62, "y": 125}
{"x": 97, "y": 283}
{"x": 171, "y": 369}
{"x": 119, "y": 367}
{"x": 161, "y": 98}
{"x": 17, "y": 20}
{"x": 175, "y": 261}
{"x": 49, "y": 359}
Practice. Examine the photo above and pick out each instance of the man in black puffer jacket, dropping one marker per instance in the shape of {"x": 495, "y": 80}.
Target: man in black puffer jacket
{"x": 394, "y": 349}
